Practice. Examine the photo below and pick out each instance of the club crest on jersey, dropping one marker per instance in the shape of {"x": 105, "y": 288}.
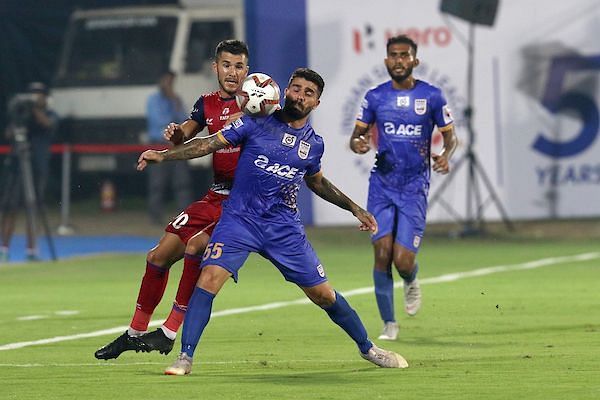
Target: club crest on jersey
{"x": 416, "y": 241}
{"x": 303, "y": 149}
{"x": 403, "y": 101}
{"x": 288, "y": 140}
{"x": 225, "y": 114}
{"x": 321, "y": 271}
{"x": 420, "y": 106}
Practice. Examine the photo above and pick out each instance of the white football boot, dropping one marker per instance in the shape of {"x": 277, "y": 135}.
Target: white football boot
{"x": 384, "y": 358}
{"x": 181, "y": 366}
{"x": 390, "y": 331}
{"x": 412, "y": 297}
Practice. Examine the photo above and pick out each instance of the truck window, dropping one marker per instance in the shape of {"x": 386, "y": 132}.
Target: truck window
{"x": 114, "y": 50}
{"x": 204, "y": 37}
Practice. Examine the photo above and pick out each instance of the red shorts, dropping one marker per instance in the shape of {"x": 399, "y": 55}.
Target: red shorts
{"x": 200, "y": 216}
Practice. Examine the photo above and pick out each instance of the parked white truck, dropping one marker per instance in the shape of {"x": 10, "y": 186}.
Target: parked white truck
{"x": 111, "y": 62}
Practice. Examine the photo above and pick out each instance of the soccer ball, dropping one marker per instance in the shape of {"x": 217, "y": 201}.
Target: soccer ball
{"x": 258, "y": 96}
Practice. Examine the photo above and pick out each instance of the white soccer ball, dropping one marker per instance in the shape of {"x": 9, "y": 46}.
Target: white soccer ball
{"x": 258, "y": 95}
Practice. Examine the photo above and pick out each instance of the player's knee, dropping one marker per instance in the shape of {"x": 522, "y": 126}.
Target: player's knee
{"x": 212, "y": 278}
{"x": 404, "y": 264}
{"x": 383, "y": 257}
{"x": 155, "y": 258}
{"x": 197, "y": 244}
{"x": 323, "y": 298}
{"x": 193, "y": 248}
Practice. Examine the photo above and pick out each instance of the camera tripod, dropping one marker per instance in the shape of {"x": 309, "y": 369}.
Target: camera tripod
{"x": 473, "y": 223}
{"x": 33, "y": 207}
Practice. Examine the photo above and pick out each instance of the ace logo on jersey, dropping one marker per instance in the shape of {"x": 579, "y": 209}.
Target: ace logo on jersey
{"x": 303, "y": 149}
{"x": 420, "y": 106}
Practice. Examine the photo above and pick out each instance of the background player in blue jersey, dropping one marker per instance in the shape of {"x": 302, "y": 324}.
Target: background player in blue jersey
{"x": 261, "y": 216}
{"x": 404, "y": 111}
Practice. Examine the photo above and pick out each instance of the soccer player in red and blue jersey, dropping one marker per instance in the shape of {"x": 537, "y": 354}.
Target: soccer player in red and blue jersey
{"x": 188, "y": 234}
{"x": 278, "y": 152}
{"x": 404, "y": 111}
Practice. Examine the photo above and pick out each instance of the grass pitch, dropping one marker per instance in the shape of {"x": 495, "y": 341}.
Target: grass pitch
{"x": 529, "y": 331}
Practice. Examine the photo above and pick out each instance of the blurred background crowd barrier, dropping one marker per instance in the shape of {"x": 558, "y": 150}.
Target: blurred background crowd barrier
{"x": 520, "y": 77}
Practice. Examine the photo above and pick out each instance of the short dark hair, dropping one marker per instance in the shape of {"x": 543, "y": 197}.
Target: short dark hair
{"x": 232, "y": 46}
{"x": 401, "y": 39}
{"x": 309, "y": 75}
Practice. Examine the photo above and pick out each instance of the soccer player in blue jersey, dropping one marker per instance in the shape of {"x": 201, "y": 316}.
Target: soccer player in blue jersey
{"x": 261, "y": 215}
{"x": 404, "y": 111}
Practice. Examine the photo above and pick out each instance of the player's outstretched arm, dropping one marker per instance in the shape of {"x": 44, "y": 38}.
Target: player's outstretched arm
{"x": 328, "y": 192}
{"x": 193, "y": 148}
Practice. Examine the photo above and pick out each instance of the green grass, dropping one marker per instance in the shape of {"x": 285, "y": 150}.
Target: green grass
{"x": 529, "y": 334}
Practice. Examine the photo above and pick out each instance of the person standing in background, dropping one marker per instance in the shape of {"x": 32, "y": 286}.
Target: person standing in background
{"x": 163, "y": 107}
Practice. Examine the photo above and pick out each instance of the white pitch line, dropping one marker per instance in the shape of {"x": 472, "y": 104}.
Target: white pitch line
{"x": 544, "y": 262}
{"x": 104, "y": 363}
{"x": 66, "y": 312}
{"x": 31, "y": 317}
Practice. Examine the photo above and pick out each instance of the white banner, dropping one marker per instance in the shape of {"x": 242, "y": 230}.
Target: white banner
{"x": 535, "y": 99}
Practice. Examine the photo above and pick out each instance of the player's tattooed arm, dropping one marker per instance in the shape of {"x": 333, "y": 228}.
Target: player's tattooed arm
{"x": 193, "y": 148}
{"x": 359, "y": 142}
{"x": 326, "y": 190}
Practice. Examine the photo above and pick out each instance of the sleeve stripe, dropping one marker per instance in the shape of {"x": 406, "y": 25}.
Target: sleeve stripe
{"x": 446, "y": 128}
{"x": 222, "y": 138}
{"x": 362, "y": 124}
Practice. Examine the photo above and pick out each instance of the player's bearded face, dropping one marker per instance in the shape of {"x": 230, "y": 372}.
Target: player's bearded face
{"x": 301, "y": 97}
{"x": 400, "y": 61}
{"x": 399, "y": 72}
{"x": 231, "y": 70}
{"x": 296, "y": 108}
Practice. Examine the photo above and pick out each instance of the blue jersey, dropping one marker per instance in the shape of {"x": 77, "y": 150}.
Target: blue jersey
{"x": 272, "y": 164}
{"x": 405, "y": 120}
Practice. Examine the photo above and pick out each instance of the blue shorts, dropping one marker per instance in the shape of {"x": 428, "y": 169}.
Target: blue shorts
{"x": 282, "y": 243}
{"x": 400, "y": 213}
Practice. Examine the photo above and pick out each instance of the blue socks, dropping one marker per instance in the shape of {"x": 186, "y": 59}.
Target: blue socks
{"x": 384, "y": 294}
{"x": 196, "y": 319}
{"x": 384, "y": 291}
{"x": 343, "y": 315}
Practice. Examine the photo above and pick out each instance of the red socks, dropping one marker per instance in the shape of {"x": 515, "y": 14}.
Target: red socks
{"x": 152, "y": 289}
{"x": 187, "y": 283}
